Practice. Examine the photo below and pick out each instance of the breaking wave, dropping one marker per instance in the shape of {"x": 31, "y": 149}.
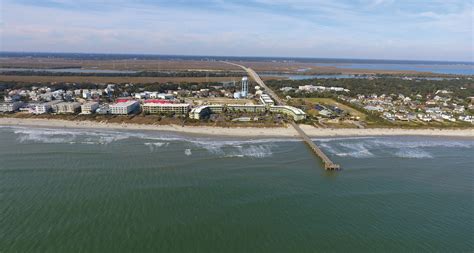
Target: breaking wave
{"x": 260, "y": 151}
{"x": 413, "y": 153}
{"x": 55, "y": 136}
{"x": 405, "y": 147}
{"x": 255, "y": 148}
{"x": 153, "y": 146}
{"x": 355, "y": 147}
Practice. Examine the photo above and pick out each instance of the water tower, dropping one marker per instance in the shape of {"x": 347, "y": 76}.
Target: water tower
{"x": 245, "y": 87}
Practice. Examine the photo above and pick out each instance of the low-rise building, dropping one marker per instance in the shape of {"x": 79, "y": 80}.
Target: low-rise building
{"x": 66, "y": 107}
{"x": 204, "y": 111}
{"x": 43, "y": 108}
{"x": 11, "y": 107}
{"x": 266, "y": 100}
{"x": 294, "y": 112}
{"x": 247, "y": 108}
{"x": 89, "y": 107}
{"x": 159, "y": 108}
{"x": 124, "y": 108}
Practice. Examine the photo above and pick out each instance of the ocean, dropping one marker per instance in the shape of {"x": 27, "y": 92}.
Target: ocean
{"x": 66, "y": 190}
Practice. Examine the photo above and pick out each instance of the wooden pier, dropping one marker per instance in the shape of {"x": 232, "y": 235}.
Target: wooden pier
{"x": 328, "y": 164}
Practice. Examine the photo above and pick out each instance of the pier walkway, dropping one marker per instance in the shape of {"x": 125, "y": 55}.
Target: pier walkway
{"x": 328, "y": 164}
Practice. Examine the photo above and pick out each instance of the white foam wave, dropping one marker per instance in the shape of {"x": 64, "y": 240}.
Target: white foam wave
{"x": 356, "y": 150}
{"x": 257, "y": 151}
{"x": 356, "y": 147}
{"x": 405, "y": 147}
{"x": 155, "y": 145}
{"x": 417, "y": 143}
{"x": 45, "y": 135}
{"x": 322, "y": 140}
{"x": 256, "y": 148}
{"x": 413, "y": 153}
{"x": 237, "y": 148}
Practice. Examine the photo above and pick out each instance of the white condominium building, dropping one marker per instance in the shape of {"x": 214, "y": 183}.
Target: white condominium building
{"x": 44, "y": 107}
{"x": 266, "y": 100}
{"x": 124, "y": 108}
{"x": 89, "y": 107}
{"x": 10, "y": 107}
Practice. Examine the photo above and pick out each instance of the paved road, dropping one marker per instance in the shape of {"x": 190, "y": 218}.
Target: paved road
{"x": 260, "y": 82}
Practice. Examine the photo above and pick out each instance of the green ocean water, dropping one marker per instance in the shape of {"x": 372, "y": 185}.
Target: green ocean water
{"x": 111, "y": 191}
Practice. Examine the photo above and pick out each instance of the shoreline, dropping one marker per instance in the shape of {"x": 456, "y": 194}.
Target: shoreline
{"x": 240, "y": 131}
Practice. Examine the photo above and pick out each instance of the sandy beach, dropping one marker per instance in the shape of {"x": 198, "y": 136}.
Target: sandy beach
{"x": 239, "y": 132}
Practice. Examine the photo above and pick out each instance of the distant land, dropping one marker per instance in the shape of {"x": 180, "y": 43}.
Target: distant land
{"x": 106, "y": 56}
{"x": 273, "y": 65}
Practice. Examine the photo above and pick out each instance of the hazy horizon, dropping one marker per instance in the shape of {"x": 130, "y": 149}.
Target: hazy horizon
{"x": 363, "y": 29}
{"x": 242, "y": 56}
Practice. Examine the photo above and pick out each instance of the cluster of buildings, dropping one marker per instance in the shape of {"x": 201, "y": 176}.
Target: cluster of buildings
{"x": 440, "y": 107}
{"x": 88, "y": 101}
{"x": 330, "y": 111}
{"x": 38, "y": 94}
{"x": 313, "y": 88}
{"x": 103, "y": 101}
{"x": 205, "y": 111}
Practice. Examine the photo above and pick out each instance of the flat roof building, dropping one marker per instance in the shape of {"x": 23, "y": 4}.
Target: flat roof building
{"x": 205, "y": 110}
{"x": 294, "y": 112}
{"x": 247, "y": 108}
{"x": 11, "y": 107}
{"x": 266, "y": 99}
{"x": 89, "y": 107}
{"x": 66, "y": 107}
{"x": 157, "y": 108}
{"x": 43, "y": 108}
{"x": 124, "y": 108}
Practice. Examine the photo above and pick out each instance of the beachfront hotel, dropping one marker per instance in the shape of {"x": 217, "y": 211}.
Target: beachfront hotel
{"x": 66, "y": 107}
{"x": 246, "y": 108}
{"x": 43, "y": 108}
{"x": 10, "y": 107}
{"x": 159, "y": 108}
{"x": 204, "y": 111}
{"x": 124, "y": 108}
{"x": 294, "y": 112}
{"x": 89, "y": 107}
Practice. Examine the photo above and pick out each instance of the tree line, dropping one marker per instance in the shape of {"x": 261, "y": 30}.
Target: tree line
{"x": 135, "y": 74}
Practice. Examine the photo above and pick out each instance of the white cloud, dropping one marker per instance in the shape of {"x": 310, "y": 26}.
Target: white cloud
{"x": 319, "y": 28}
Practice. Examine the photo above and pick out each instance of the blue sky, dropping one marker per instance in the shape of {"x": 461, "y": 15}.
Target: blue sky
{"x": 375, "y": 29}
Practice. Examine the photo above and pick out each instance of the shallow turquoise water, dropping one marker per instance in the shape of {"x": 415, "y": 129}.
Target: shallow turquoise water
{"x": 96, "y": 191}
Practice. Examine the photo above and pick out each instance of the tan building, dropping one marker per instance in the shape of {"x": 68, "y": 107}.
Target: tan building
{"x": 89, "y": 107}
{"x": 66, "y": 107}
{"x": 156, "y": 108}
{"x": 247, "y": 108}
{"x": 294, "y": 112}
